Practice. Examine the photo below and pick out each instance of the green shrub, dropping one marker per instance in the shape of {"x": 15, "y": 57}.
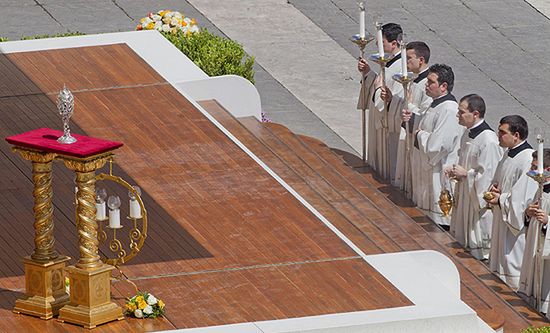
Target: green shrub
{"x": 62, "y": 34}
{"x": 213, "y": 54}
{"x": 3, "y": 39}
{"x": 545, "y": 329}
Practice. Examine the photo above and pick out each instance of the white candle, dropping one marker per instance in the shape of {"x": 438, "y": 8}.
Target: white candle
{"x": 361, "y": 21}
{"x": 380, "y": 42}
{"x": 114, "y": 218}
{"x": 404, "y": 71}
{"x": 135, "y": 209}
{"x": 540, "y": 155}
{"x": 100, "y": 211}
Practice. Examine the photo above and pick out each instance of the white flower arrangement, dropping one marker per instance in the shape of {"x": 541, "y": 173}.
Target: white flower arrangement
{"x": 144, "y": 305}
{"x": 168, "y": 21}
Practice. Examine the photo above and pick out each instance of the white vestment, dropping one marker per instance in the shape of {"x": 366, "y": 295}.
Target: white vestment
{"x": 534, "y": 281}
{"x": 471, "y": 221}
{"x": 508, "y": 232}
{"x": 369, "y": 98}
{"x": 438, "y": 140}
{"x": 420, "y": 103}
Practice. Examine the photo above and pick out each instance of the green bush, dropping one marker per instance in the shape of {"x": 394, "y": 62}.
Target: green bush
{"x": 545, "y": 329}
{"x": 213, "y": 54}
{"x": 62, "y": 34}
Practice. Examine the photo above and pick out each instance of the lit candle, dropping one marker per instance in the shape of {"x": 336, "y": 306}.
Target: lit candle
{"x": 100, "y": 211}
{"x": 404, "y": 71}
{"x": 100, "y": 196}
{"x": 114, "y": 212}
{"x": 114, "y": 218}
{"x": 361, "y": 20}
{"x": 540, "y": 154}
{"x": 379, "y": 40}
{"x": 135, "y": 209}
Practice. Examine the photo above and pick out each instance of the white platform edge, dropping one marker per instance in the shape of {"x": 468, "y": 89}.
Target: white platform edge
{"x": 170, "y": 67}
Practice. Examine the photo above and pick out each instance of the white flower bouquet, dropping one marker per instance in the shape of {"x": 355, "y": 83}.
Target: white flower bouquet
{"x": 144, "y": 305}
{"x": 168, "y": 21}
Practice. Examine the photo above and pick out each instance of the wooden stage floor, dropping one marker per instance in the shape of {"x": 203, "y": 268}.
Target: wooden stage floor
{"x": 227, "y": 243}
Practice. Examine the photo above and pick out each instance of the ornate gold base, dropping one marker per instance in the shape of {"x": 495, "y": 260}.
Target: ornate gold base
{"x": 45, "y": 288}
{"x": 90, "y": 298}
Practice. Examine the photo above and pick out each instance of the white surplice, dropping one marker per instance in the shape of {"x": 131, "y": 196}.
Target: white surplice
{"x": 438, "y": 141}
{"x": 420, "y": 103}
{"x": 369, "y": 98}
{"x": 534, "y": 281}
{"x": 508, "y": 232}
{"x": 471, "y": 221}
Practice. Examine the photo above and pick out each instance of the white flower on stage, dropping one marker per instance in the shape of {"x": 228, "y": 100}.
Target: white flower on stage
{"x": 138, "y": 313}
{"x": 148, "y": 310}
{"x": 165, "y": 27}
{"x": 151, "y": 300}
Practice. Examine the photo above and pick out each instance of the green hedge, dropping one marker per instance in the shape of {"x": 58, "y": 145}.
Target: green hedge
{"x": 545, "y": 329}
{"x": 213, "y": 54}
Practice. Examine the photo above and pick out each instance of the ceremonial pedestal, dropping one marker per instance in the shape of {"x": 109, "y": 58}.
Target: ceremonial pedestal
{"x": 90, "y": 301}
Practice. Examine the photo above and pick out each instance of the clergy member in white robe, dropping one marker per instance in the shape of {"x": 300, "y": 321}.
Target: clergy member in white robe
{"x": 511, "y": 191}
{"x": 418, "y": 56}
{"x": 371, "y": 98}
{"x": 534, "y": 281}
{"x": 437, "y": 140}
{"x": 478, "y": 157}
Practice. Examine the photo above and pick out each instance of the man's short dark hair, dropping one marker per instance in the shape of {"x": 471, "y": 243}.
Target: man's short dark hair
{"x": 475, "y": 103}
{"x": 516, "y": 124}
{"x": 421, "y": 49}
{"x": 444, "y": 75}
{"x": 546, "y": 156}
{"x": 391, "y": 31}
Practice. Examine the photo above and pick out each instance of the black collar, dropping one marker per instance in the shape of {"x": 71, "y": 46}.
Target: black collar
{"x": 394, "y": 59}
{"x": 448, "y": 97}
{"x": 513, "y": 152}
{"x": 478, "y": 129}
{"x": 421, "y": 76}
{"x": 546, "y": 188}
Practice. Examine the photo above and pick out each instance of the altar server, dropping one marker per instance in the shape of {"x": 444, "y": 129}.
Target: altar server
{"x": 371, "y": 98}
{"x": 535, "y": 269}
{"x": 510, "y": 193}
{"x": 437, "y": 139}
{"x": 478, "y": 157}
{"x": 418, "y": 56}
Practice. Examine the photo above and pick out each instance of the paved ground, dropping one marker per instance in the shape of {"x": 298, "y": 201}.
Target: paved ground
{"x": 305, "y": 63}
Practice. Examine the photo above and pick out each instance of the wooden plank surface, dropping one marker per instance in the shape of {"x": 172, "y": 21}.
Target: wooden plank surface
{"x": 222, "y": 231}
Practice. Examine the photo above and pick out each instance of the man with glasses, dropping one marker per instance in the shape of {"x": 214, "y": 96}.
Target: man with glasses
{"x": 509, "y": 196}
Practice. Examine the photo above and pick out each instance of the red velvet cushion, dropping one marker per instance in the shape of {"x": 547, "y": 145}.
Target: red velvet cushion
{"x": 45, "y": 139}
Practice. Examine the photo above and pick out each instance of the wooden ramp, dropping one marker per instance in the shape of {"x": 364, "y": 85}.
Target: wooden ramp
{"x": 227, "y": 243}
{"x": 361, "y": 206}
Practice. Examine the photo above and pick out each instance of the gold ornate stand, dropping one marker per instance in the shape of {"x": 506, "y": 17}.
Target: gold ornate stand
{"x": 90, "y": 301}
{"x": 44, "y": 279}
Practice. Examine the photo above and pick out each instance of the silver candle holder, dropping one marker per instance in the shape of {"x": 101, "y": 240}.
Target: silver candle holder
{"x": 65, "y": 106}
{"x": 382, "y": 60}
{"x": 405, "y": 79}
